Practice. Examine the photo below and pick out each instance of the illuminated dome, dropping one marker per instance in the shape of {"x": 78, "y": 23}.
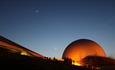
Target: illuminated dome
{"x": 81, "y": 48}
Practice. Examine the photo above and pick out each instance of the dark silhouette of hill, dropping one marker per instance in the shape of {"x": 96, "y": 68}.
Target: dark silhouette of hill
{"x": 14, "y": 61}
{"x": 103, "y": 63}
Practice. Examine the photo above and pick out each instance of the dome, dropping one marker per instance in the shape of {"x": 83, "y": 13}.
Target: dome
{"x": 81, "y": 48}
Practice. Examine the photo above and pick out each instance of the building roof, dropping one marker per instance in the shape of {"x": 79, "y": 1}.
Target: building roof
{"x": 14, "y": 47}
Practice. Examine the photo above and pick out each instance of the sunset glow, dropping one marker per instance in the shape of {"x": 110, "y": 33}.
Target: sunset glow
{"x": 76, "y": 63}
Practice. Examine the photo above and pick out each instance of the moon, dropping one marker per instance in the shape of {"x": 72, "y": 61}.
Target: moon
{"x": 82, "y": 48}
{"x": 36, "y": 10}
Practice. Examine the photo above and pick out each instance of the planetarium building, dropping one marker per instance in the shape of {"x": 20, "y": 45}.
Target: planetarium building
{"x": 82, "y": 48}
{"x": 13, "y": 47}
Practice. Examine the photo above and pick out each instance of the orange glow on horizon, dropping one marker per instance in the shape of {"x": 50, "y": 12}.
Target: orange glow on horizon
{"x": 76, "y": 63}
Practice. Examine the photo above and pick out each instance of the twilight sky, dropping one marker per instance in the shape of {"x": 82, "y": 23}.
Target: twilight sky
{"x": 48, "y": 26}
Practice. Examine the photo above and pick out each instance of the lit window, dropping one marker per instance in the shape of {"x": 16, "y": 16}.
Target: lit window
{"x": 23, "y": 53}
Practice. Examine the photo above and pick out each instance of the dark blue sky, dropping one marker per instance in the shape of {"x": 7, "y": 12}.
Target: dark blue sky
{"x": 48, "y": 26}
